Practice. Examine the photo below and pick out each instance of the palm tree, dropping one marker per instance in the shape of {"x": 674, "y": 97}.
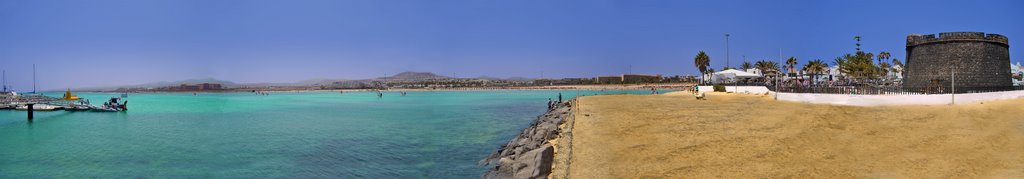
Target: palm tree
{"x": 815, "y": 67}
{"x": 839, "y": 62}
{"x": 883, "y": 56}
{"x": 791, "y": 62}
{"x": 702, "y": 61}
{"x": 885, "y": 68}
{"x": 767, "y": 67}
{"x": 762, "y": 66}
{"x": 746, "y": 65}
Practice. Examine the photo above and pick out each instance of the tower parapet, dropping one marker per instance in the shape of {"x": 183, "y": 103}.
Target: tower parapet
{"x": 920, "y": 39}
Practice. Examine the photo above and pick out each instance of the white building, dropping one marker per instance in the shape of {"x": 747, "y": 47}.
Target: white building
{"x": 733, "y": 76}
{"x": 895, "y": 73}
{"x": 1018, "y": 74}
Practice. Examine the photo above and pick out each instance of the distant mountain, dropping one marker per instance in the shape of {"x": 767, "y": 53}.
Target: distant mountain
{"x": 414, "y": 76}
{"x": 517, "y": 78}
{"x": 317, "y": 81}
{"x": 309, "y": 82}
{"x": 510, "y": 78}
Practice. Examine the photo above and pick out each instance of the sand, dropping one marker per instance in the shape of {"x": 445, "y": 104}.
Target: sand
{"x": 747, "y": 136}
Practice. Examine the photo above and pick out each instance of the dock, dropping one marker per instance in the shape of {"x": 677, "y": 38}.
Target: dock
{"x": 37, "y": 102}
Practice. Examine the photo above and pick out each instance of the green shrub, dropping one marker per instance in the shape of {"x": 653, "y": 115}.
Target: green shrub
{"x": 719, "y": 88}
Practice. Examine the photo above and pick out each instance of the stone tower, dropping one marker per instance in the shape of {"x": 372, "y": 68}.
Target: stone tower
{"x": 979, "y": 60}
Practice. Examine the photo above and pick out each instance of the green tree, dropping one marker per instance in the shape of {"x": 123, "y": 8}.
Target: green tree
{"x": 858, "y": 66}
{"x": 702, "y": 61}
{"x": 884, "y": 69}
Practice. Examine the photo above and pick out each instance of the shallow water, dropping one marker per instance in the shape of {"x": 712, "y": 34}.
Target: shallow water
{"x": 439, "y": 134}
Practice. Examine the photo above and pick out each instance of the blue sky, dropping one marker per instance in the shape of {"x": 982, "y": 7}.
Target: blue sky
{"x": 114, "y": 42}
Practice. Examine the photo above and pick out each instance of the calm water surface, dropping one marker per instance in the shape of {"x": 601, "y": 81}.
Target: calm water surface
{"x": 421, "y": 135}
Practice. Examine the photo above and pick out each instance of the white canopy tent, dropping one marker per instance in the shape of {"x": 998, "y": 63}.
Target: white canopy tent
{"x": 732, "y": 76}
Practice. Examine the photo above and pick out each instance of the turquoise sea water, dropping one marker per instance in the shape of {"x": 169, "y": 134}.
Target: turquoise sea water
{"x": 440, "y": 134}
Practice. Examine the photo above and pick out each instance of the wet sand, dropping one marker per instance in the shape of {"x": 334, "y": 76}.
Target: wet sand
{"x": 745, "y": 136}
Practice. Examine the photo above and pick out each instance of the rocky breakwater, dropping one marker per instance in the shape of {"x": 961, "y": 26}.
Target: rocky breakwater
{"x": 531, "y": 153}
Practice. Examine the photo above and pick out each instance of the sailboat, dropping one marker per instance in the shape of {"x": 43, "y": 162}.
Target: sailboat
{"x": 5, "y": 82}
{"x": 5, "y": 92}
{"x": 33, "y": 78}
{"x": 7, "y": 95}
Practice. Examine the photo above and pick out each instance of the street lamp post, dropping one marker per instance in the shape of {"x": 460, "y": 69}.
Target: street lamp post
{"x": 726, "y": 51}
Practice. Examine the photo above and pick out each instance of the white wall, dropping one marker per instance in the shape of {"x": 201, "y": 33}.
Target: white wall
{"x": 888, "y": 100}
{"x": 737, "y": 89}
{"x": 982, "y": 97}
{"x": 705, "y": 89}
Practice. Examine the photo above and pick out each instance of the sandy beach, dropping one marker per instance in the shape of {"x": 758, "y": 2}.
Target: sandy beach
{"x": 747, "y": 136}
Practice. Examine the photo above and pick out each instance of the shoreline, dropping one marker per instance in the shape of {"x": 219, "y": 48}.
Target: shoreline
{"x": 659, "y": 86}
{"x": 538, "y": 151}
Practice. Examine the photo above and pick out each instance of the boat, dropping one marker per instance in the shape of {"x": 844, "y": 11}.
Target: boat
{"x": 105, "y": 109}
{"x": 112, "y": 106}
{"x": 81, "y": 105}
{"x": 37, "y": 107}
{"x": 69, "y": 96}
{"x": 78, "y": 108}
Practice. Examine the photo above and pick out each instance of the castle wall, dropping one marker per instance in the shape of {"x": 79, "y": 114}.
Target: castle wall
{"x": 979, "y": 60}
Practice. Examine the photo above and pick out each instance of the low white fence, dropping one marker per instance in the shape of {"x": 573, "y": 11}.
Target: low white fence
{"x": 737, "y": 89}
{"x": 875, "y": 100}
{"x": 889, "y": 100}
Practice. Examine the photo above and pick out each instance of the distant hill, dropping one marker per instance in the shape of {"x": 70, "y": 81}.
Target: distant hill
{"x": 509, "y": 78}
{"x": 309, "y": 82}
{"x": 414, "y": 76}
{"x": 516, "y": 78}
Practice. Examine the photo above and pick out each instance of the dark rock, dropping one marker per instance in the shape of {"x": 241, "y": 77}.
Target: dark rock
{"x": 536, "y": 163}
{"x": 529, "y": 155}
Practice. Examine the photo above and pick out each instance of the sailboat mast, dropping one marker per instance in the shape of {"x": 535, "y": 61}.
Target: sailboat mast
{"x": 33, "y": 78}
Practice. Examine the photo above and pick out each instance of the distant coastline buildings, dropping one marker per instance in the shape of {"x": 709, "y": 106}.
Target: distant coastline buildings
{"x": 628, "y": 79}
{"x": 195, "y": 87}
{"x": 180, "y": 87}
{"x": 418, "y": 80}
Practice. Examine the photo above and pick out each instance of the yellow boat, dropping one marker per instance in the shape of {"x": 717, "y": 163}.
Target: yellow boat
{"x": 69, "y": 96}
